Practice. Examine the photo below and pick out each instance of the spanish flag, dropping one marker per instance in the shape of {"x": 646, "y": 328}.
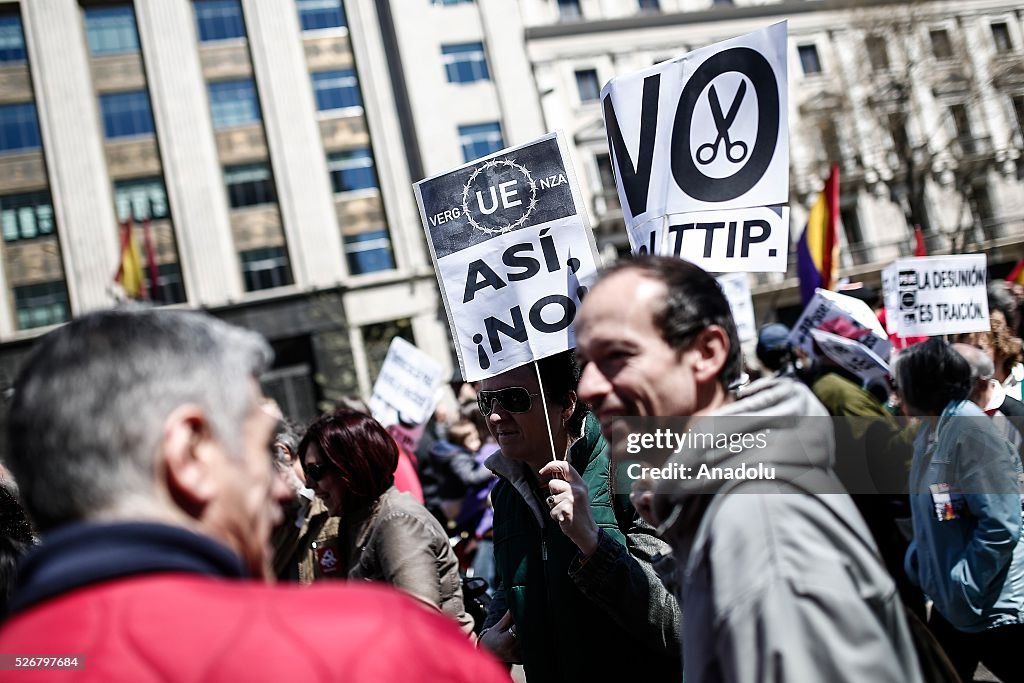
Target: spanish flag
{"x": 817, "y": 256}
{"x": 1016, "y": 275}
{"x": 129, "y": 274}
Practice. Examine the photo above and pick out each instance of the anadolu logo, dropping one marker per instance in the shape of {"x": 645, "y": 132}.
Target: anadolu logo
{"x": 506, "y": 203}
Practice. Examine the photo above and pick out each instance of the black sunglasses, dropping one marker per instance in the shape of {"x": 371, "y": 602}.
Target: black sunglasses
{"x": 315, "y": 470}
{"x": 512, "y": 399}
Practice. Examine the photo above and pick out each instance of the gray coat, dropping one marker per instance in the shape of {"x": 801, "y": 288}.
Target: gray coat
{"x": 781, "y": 580}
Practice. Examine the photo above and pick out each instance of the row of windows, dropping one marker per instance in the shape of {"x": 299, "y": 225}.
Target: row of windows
{"x": 480, "y": 139}
{"x": 878, "y": 52}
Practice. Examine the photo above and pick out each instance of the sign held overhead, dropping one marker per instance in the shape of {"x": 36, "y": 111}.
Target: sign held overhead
{"x": 706, "y": 132}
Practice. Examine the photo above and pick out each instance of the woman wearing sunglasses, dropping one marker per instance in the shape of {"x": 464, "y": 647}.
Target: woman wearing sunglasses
{"x": 384, "y": 535}
{"x": 577, "y": 598}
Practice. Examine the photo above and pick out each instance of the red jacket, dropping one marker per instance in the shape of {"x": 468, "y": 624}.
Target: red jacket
{"x": 188, "y": 627}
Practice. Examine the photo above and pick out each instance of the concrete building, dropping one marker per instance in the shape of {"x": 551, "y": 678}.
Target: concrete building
{"x": 256, "y": 147}
{"x": 921, "y": 104}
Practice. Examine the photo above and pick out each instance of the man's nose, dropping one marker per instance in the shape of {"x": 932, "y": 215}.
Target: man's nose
{"x": 593, "y": 384}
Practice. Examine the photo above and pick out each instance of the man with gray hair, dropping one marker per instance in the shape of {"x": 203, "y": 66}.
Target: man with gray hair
{"x": 142, "y": 445}
{"x": 989, "y": 395}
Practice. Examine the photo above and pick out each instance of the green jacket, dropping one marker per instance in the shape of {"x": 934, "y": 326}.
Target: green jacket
{"x": 582, "y": 621}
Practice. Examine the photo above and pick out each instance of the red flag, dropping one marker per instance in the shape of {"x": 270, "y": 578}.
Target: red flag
{"x": 1016, "y": 275}
{"x": 919, "y": 248}
{"x": 147, "y": 238}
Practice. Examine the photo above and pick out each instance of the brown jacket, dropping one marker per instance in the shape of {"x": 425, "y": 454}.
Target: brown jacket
{"x": 300, "y": 543}
{"x": 396, "y": 541}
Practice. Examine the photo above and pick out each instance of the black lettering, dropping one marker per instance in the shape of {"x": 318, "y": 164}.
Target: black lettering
{"x": 635, "y": 181}
{"x": 474, "y": 283}
{"x": 568, "y": 313}
{"x": 516, "y": 330}
{"x": 512, "y": 259}
{"x": 748, "y": 239}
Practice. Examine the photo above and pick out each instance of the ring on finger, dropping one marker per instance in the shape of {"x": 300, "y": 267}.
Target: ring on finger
{"x": 551, "y": 501}
{"x": 512, "y": 631}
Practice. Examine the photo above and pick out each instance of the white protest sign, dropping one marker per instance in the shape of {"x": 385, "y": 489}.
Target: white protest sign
{"x": 513, "y": 252}
{"x": 406, "y": 386}
{"x": 737, "y": 291}
{"x": 706, "y": 132}
{"x": 940, "y": 295}
{"x": 751, "y": 240}
{"x": 842, "y": 315}
{"x": 852, "y": 355}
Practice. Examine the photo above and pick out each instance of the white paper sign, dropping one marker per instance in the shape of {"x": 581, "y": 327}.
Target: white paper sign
{"x": 739, "y": 240}
{"x": 705, "y": 132}
{"x": 737, "y": 291}
{"x": 842, "y": 315}
{"x": 939, "y": 295}
{"x": 513, "y": 252}
{"x": 890, "y": 300}
{"x": 852, "y": 355}
{"x": 406, "y": 386}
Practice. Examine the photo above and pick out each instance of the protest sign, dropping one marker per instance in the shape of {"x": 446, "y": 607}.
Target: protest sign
{"x": 841, "y": 315}
{"x": 890, "y": 300}
{"x": 513, "y": 253}
{"x": 706, "y": 132}
{"x": 934, "y": 295}
{"x": 851, "y": 355}
{"x": 737, "y": 291}
{"x": 406, "y": 387}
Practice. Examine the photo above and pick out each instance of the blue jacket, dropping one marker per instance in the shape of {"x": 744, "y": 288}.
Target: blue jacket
{"x": 971, "y": 564}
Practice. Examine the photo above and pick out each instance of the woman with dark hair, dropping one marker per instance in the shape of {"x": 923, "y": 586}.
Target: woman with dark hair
{"x": 967, "y": 552}
{"x": 385, "y": 535}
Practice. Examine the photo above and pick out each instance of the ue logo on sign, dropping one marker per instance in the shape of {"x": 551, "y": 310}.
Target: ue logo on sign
{"x": 499, "y": 209}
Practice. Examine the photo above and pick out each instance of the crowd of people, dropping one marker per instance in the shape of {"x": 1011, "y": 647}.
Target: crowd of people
{"x": 151, "y": 483}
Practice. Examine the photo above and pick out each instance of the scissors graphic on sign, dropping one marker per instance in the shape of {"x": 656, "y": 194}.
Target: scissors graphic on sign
{"x": 707, "y": 152}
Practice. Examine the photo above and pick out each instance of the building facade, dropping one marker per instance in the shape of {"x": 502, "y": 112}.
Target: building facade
{"x": 919, "y": 102}
{"x": 254, "y": 149}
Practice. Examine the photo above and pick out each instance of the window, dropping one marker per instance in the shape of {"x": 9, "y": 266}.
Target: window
{"x": 809, "y": 59}
{"x": 587, "y": 85}
{"x": 451, "y": 2}
{"x": 648, "y": 5}
{"x": 126, "y": 114}
{"x": 45, "y": 303}
{"x": 981, "y": 207}
{"x": 19, "y": 129}
{"x": 351, "y": 170}
{"x": 12, "y": 42}
{"x": 169, "y": 288}
{"x": 941, "y": 47}
{"x": 1001, "y": 37}
{"x": 219, "y": 19}
{"x": 878, "y": 53}
{"x": 318, "y": 14}
{"x": 464, "y": 63}
{"x": 140, "y": 199}
{"x": 377, "y": 338}
{"x": 480, "y": 140}
{"x": 1018, "y": 112}
{"x": 569, "y": 10}
{"x": 249, "y": 185}
{"x": 605, "y": 173}
{"x": 830, "y": 141}
{"x": 233, "y": 103}
{"x": 265, "y": 268}
{"x": 369, "y": 252}
{"x": 111, "y": 30}
{"x": 336, "y": 90}
{"x": 27, "y": 215}
{"x": 962, "y": 126}
{"x": 897, "y": 125}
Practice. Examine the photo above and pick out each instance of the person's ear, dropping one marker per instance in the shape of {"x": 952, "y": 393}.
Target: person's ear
{"x": 187, "y": 459}
{"x": 711, "y": 351}
{"x": 569, "y": 407}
